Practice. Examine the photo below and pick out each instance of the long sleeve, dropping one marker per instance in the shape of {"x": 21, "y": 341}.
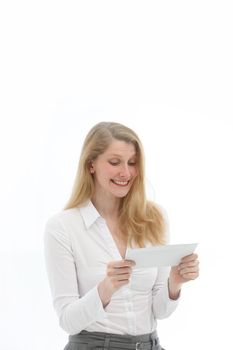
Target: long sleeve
{"x": 75, "y": 313}
{"x": 163, "y": 306}
{"x": 78, "y": 246}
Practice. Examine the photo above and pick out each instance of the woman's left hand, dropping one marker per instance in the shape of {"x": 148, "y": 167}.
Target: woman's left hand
{"x": 187, "y": 270}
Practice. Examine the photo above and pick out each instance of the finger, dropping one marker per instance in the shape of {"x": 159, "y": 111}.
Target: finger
{"x": 123, "y": 271}
{"x": 122, "y": 282}
{"x": 112, "y": 271}
{"x": 190, "y": 257}
{"x": 125, "y": 263}
{"x": 121, "y": 277}
{"x": 121, "y": 263}
{"x": 131, "y": 262}
{"x": 190, "y": 275}
{"x": 124, "y": 277}
{"x": 188, "y": 270}
{"x": 188, "y": 264}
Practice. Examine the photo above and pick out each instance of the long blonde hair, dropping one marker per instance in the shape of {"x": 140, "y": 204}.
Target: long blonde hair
{"x": 141, "y": 220}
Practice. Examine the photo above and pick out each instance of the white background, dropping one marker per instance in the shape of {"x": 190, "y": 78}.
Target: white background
{"x": 164, "y": 69}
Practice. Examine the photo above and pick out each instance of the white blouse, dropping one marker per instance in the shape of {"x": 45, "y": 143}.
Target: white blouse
{"x": 78, "y": 246}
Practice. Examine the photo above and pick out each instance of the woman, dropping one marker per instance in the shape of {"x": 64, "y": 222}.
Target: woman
{"x": 102, "y": 300}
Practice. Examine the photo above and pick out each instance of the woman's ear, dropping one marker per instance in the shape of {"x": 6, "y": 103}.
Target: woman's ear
{"x": 91, "y": 167}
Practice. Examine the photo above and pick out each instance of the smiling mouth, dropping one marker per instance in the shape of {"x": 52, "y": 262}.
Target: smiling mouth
{"x": 120, "y": 183}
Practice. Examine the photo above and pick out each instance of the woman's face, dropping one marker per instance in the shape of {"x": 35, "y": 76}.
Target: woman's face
{"x": 115, "y": 170}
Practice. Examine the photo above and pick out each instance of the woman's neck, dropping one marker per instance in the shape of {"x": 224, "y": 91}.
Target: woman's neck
{"x": 108, "y": 208}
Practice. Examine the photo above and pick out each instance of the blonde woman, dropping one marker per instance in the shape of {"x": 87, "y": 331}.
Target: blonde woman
{"x": 102, "y": 300}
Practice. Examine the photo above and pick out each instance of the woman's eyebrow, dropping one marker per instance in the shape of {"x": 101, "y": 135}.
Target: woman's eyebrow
{"x": 119, "y": 155}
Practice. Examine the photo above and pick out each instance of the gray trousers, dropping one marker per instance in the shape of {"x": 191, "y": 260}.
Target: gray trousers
{"x": 109, "y": 341}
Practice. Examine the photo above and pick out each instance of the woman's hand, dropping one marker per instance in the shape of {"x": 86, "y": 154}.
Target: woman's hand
{"x": 187, "y": 270}
{"x": 117, "y": 275}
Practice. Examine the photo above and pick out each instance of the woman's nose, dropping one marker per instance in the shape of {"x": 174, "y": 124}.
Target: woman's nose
{"x": 124, "y": 172}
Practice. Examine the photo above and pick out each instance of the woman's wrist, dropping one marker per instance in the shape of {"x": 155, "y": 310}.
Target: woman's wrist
{"x": 104, "y": 293}
{"x": 174, "y": 289}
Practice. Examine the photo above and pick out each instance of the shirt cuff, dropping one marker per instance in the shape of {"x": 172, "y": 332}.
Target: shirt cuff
{"x": 94, "y": 304}
{"x": 83, "y": 312}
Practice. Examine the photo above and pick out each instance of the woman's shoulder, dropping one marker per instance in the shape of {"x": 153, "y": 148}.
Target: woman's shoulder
{"x": 62, "y": 221}
{"x": 63, "y": 215}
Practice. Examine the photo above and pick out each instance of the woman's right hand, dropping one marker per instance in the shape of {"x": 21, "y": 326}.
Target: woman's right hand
{"x": 117, "y": 275}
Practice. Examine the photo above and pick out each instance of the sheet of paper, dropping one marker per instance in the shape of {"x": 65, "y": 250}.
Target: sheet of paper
{"x": 166, "y": 255}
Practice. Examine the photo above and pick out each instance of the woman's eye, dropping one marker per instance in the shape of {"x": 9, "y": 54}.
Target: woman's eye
{"x": 117, "y": 163}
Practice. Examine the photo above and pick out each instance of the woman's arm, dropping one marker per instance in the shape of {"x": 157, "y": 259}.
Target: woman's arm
{"x": 75, "y": 313}
{"x": 163, "y": 305}
{"x": 186, "y": 271}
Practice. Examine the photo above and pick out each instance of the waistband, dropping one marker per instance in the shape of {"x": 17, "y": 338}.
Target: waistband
{"x": 106, "y": 341}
